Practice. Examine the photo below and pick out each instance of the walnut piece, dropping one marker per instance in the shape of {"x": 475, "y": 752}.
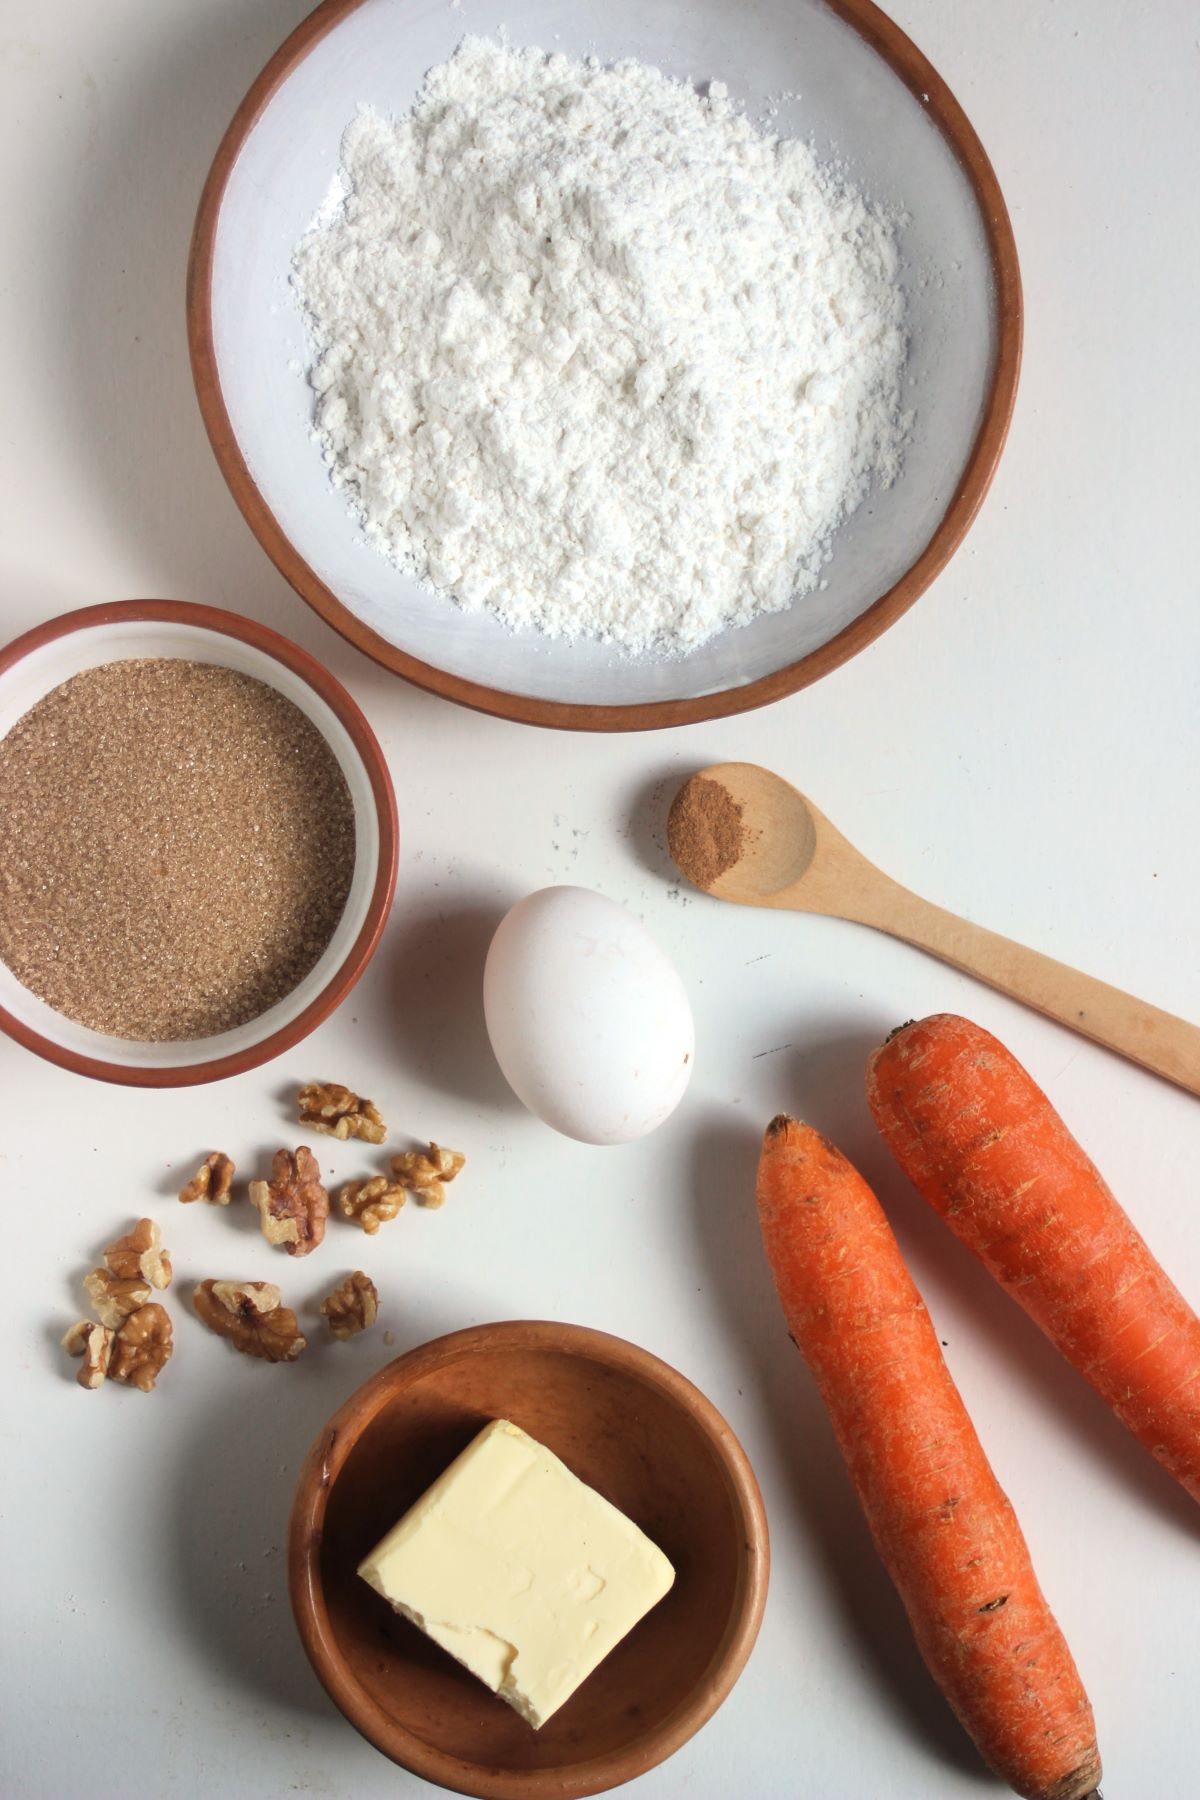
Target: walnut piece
{"x": 142, "y": 1347}
{"x": 140, "y": 1252}
{"x": 75, "y": 1340}
{"x": 371, "y": 1203}
{"x": 327, "y": 1106}
{"x": 213, "y": 1181}
{"x": 115, "y": 1297}
{"x": 94, "y": 1344}
{"x": 293, "y": 1206}
{"x": 426, "y": 1174}
{"x": 249, "y": 1314}
{"x": 351, "y": 1307}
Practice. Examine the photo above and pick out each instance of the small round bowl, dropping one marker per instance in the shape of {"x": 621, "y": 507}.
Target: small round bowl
{"x": 624, "y": 1422}
{"x": 838, "y": 72}
{"x": 50, "y": 654}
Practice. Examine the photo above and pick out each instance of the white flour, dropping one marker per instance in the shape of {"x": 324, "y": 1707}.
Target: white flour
{"x": 595, "y": 352}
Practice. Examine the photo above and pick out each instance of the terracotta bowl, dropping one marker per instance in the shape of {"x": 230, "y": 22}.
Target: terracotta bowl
{"x": 626, "y": 1423}
{"x": 34, "y": 664}
{"x": 838, "y": 72}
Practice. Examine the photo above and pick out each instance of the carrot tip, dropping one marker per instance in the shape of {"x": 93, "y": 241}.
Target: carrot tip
{"x": 781, "y": 1122}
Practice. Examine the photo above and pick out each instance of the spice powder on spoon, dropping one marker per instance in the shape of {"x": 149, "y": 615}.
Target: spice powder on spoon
{"x": 176, "y": 848}
{"x": 705, "y": 832}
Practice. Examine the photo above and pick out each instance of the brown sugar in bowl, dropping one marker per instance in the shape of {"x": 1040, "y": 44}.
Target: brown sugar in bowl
{"x": 42, "y": 660}
{"x": 624, "y": 1422}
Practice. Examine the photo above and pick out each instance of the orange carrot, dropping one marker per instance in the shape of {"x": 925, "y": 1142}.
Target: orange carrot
{"x": 985, "y": 1147}
{"x": 946, "y": 1532}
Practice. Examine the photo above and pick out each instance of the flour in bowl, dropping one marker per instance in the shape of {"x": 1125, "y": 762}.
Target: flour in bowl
{"x": 595, "y": 352}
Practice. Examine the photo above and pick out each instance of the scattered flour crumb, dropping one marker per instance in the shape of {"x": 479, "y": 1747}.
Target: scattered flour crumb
{"x": 593, "y": 351}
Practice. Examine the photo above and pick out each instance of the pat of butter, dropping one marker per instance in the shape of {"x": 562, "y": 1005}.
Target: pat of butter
{"x": 519, "y": 1569}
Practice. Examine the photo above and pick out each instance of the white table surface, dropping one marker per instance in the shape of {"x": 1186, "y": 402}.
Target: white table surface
{"x": 1022, "y": 747}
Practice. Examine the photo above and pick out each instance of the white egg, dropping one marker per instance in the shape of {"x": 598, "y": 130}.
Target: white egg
{"x": 589, "y": 1021}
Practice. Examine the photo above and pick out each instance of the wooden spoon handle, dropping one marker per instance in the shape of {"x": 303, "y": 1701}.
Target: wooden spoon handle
{"x": 1147, "y": 1035}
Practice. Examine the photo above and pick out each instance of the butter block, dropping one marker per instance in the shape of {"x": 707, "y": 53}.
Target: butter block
{"x": 519, "y": 1569}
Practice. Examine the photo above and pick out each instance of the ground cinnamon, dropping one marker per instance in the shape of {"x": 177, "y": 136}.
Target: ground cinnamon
{"x": 705, "y": 833}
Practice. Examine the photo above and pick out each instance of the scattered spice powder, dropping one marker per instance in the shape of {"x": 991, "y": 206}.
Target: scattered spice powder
{"x": 176, "y": 847}
{"x": 705, "y": 833}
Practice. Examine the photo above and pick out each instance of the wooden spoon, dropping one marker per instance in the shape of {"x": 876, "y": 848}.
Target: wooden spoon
{"x": 792, "y": 857}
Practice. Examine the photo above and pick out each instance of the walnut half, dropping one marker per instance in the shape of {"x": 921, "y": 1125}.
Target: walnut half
{"x": 213, "y": 1181}
{"x": 327, "y": 1106}
{"x": 249, "y": 1314}
{"x": 351, "y": 1307}
{"x": 142, "y": 1347}
{"x": 292, "y": 1206}
{"x": 426, "y": 1174}
{"x": 94, "y": 1344}
{"x": 371, "y": 1203}
{"x": 140, "y": 1252}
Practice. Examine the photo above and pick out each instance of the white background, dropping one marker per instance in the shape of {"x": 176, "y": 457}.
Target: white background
{"x": 1022, "y": 747}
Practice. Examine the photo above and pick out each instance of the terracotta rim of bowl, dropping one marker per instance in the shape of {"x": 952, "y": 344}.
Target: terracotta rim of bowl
{"x": 919, "y": 76}
{"x": 281, "y": 650}
{"x": 568, "y": 1781}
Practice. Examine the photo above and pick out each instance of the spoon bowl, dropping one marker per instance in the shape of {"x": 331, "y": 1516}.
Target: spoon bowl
{"x": 779, "y": 835}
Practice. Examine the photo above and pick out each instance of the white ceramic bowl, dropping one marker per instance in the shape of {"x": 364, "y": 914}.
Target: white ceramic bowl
{"x": 44, "y": 658}
{"x": 856, "y": 86}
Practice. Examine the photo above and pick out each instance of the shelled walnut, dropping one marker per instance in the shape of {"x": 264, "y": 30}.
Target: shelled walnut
{"x": 351, "y": 1307}
{"x": 213, "y": 1181}
{"x": 426, "y": 1174}
{"x": 250, "y": 1316}
{"x": 142, "y": 1347}
{"x": 94, "y": 1344}
{"x": 140, "y": 1252}
{"x": 327, "y": 1106}
{"x": 115, "y": 1297}
{"x": 293, "y": 1205}
{"x": 371, "y": 1203}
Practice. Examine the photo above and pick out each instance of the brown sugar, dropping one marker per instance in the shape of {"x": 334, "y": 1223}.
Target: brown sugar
{"x": 176, "y": 847}
{"x": 705, "y": 833}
